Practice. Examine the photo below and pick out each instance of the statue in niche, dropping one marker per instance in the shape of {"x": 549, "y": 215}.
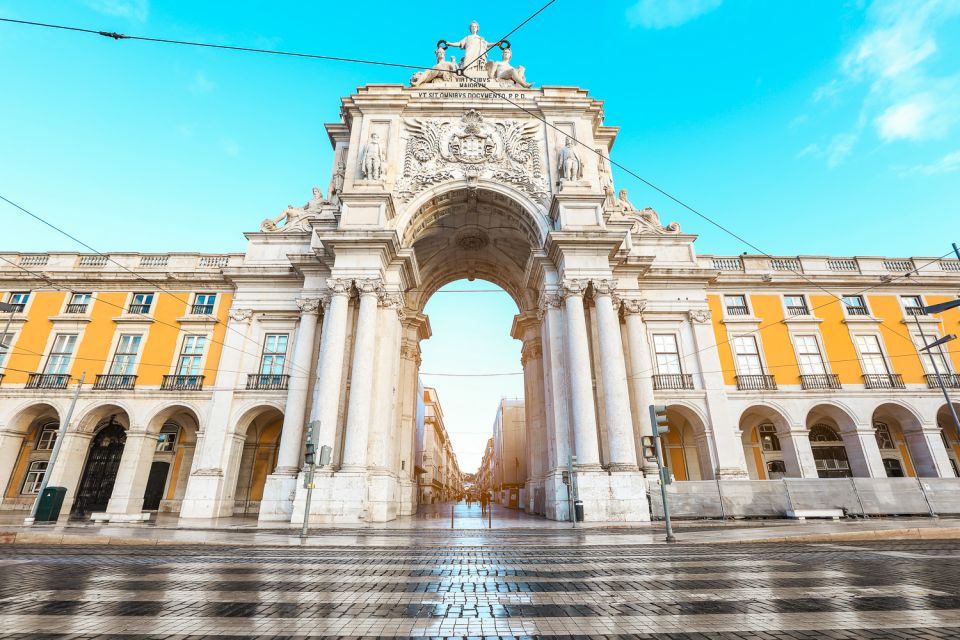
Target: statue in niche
{"x": 474, "y": 48}
{"x": 444, "y": 69}
{"x": 294, "y": 218}
{"x": 503, "y": 70}
{"x": 571, "y": 168}
{"x": 373, "y": 159}
{"x": 336, "y": 181}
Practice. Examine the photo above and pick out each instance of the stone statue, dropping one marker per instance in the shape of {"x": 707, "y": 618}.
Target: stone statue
{"x": 444, "y": 69}
{"x": 293, "y": 218}
{"x": 571, "y": 168}
{"x": 504, "y": 71}
{"x": 373, "y": 159}
{"x": 474, "y": 48}
{"x": 336, "y": 181}
{"x": 624, "y": 203}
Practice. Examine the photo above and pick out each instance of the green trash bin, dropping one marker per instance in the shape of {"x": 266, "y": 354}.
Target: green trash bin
{"x": 50, "y": 502}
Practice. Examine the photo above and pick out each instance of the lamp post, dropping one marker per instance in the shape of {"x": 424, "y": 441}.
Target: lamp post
{"x": 940, "y": 308}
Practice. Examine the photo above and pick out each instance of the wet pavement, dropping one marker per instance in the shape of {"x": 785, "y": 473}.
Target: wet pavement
{"x": 547, "y": 583}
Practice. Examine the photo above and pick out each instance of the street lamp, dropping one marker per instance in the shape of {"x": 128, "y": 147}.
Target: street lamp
{"x": 939, "y": 308}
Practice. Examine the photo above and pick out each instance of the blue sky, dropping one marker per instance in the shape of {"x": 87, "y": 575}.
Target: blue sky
{"x": 804, "y": 126}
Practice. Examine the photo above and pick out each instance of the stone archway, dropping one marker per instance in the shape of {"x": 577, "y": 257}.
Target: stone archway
{"x": 255, "y": 448}
{"x": 25, "y": 448}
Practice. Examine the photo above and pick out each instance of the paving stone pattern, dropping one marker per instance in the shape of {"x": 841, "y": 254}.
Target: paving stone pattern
{"x": 496, "y": 589}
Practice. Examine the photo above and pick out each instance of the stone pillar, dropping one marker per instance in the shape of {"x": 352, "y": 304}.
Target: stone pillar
{"x": 333, "y": 345}
{"x": 860, "y": 441}
{"x": 616, "y": 395}
{"x": 930, "y": 457}
{"x": 68, "y": 468}
{"x": 361, "y": 378}
{"x": 11, "y": 443}
{"x": 291, "y": 436}
{"x": 641, "y": 368}
{"x": 797, "y": 452}
{"x": 278, "y": 491}
{"x": 555, "y": 382}
{"x": 584, "y": 416}
{"x": 126, "y": 501}
{"x": 727, "y": 459}
{"x": 532, "y": 360}
{"x": 407, "y": 430}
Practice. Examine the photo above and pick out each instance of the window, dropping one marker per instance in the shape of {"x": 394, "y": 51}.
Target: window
{"x": 776, "y": 469}
{"x": 31, "y": 484}
{"x": 872, "y": 356}
{"x": 274, "y": 354}
{"x": 79, "y": 302}
{"x": 912, "y": 305}
{"x": 932, "y": 355}
{"x": 796, "y": 305}
{"x": 809, "y": 356}
{"x": 823, "y": 433}
{"x": 768, "y": 437}
{"x": 168, "y": 437}
{"x": 6, "y": 341}
{"x": 47, "y": 437}
{"x": 893, "y": 468}
{"x": 855, "y": 306}
{"x": 59, "y": 359}
{"x": 124, "y": 360}
{"x": 884, "y": 439}
{"x": 19, "y": 300}
{"x": 191, "y": 354}
{"x": 668, "y": 355}
{"x": 203, "y": 303}
{"x": 141, "y": 303}
{"x": 736, "y": 305}
{"x": 748, "y": 356}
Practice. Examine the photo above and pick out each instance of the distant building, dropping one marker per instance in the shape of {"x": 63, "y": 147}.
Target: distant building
{"x": 509, "y": 453}
{"x": 438, "y": 472}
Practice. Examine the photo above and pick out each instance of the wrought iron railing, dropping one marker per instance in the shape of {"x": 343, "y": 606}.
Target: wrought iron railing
{"x": 138, "y": 308}
{"x": 201, "y": 309}
{"x": 48, "y": 380}
{"x": 857, "y": 311}
{"x": 267, "y": 381}
{"x": 115, "y": 381}
{"x": 80, "y": 307}
{"x": 883, "y": 381}
{"x": 950, "y": 380}
{"x": 18, "y": 307}
{"x": 798, "y": 311}
{"x": 673, "y": 381}
{"x": 182, "y": 383}
{"x": 737, "y": 311}
{"x": 762, "y": 382}
{"x": 913, "y": 311}
{"x": 820, "y": 381}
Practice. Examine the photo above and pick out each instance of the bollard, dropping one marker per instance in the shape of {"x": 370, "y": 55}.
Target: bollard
{"x": 490, "y": 515}
{"x": 451, "y": 516}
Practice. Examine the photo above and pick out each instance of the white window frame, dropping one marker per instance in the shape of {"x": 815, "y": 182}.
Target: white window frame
{"x": 85, "y": 298}
{"x": 883, "y": 353}
{"x": 69, "y": 355}
{"x": 786, "y": 307}
{"x": 27, "y": 297}
{"x": 746, "y": 304}
{"x": 213, "y": 307}
{"x": 47, "y": 428}
{"x": 656, "y": 354}
{"x": 825, "y": 364}
{"x": 133, "y": 301}
{"x": 846, "y": 309}
{"x": 264, "y": 354}
{"x": 904, "y": 307}
{"x": 164, "y": 444}
{"x": 33, "y": 478}
{"x": 184, "y": 340}
{"x": 134, "y": 356}
{"x": 943, "y": 361}
{"x": 889, "y": 434}
{"x": 736, "y": 360}
{"x": 7, "y": 340}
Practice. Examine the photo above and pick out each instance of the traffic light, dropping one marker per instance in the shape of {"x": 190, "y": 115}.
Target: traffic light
{"x": 309, "y": 455}
{"x": 565, "y": 477}
{"x": 649, "y": 449}
{"x": 658, "y": 419}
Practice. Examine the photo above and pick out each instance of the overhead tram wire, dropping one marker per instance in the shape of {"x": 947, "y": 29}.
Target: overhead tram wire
{"x": 134, "y": 273}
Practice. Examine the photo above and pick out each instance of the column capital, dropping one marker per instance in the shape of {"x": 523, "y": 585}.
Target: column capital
{"x": 531, "y": 349}
{"x": 633, "y": 306}
{"x": 549, "y": 301}
{"x": 573, "y": 287}
{"x": 308, "y": 305}
{"x": 699, "y": 316}
{"x": 339, "y": 286}
{"x": 369, "y": 286}
{"x": 240, "y": 315}
{"x": 392, "y": 300}
{"x": 604, "y": 287}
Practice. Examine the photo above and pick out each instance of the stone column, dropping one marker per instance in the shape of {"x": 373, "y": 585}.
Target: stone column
{"x": 532, "y": 360}
{"x": 584, "y": 416}
{"x": 797, "y": 452}
{"x": 930, "y": 457}
{"x": 326, "y": 392}
{"x": 361, "y": 378}
{"x": 616, "y": 395}
{"x": 68, "y": 468}
{"x": 407, "y": 429}
{"x": 555, "y": 381}
{"x": 11, "y": 443}
{"x": 641, "y": 368}
{"x": 291, "y": 436}
{"x": 381, "y": 446}
{"x": 863, "y": 451}
{"x": 126, "y": 501}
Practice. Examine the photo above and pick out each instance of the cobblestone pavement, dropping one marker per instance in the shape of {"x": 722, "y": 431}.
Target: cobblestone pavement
{"x": 552, "y": 586}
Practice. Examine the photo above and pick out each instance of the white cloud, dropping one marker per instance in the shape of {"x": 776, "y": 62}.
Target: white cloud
{"x": 947, "y": 164}
{"x": 660, "y": 14}
{"x": 136, "y": 10}
{"x": 201, "y": 83}
{"x": 906, "y": 120}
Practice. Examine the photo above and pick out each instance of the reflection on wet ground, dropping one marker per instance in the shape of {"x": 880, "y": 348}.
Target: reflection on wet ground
{"x": 553, "y": 585}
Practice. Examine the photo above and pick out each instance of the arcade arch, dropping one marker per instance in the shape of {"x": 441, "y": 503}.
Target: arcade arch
{"x": 24, "y": 453}
{"x": 253, "y": 452}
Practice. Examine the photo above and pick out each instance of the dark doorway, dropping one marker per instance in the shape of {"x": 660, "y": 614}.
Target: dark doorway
{"x": 155, "y": 485}
{"x": 100, "y": 473}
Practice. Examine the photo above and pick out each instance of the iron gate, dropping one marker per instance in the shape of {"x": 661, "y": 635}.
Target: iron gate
{"x": 100, "y": 472}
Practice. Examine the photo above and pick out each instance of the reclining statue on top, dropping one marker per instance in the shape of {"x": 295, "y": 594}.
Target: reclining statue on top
{"x": 503, "y": 70}
{"x": 444, "y": 69}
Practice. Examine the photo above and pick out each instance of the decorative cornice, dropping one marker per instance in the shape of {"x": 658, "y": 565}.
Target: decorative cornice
{"x": 699, "y": 316}
{"x": 240, "y": 315}
{"x": 308, "y": 305}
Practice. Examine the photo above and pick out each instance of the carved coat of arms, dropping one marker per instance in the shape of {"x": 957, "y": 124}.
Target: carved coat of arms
{"x": 442, "y": 150}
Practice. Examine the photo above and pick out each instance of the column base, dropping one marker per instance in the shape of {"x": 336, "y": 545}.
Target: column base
{"x": 338, "y": 498}
{"x": 106, "y": 516}
{"x": 408, "y": 498}
{"x": 278, "y": 493}
{"x": 556, "y": 500}
{"x": 622, "y": 468}
{"x": 383, "y": 497}
{"x": 203, "y": 498}
{"x": 620, "y": 497}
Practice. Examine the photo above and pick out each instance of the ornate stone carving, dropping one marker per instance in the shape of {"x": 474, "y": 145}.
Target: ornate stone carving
{"x": 573, "y": 287}
{"x": 308, "y": 305}
{"x": 570, "y": 167}
{"x": 444, "y": 69}
{"x": 474, "y": 48}
{"x": 547, "y": 302}
{"x": 336, "y": 181}
{"x": 369, "y": 286}
{"x": 439, "y": 150}
{"x": 531, "y": 349}
{"x": 604, "y": 287}
{"x": 373, "y": 162}
{"x": 503, "y": 70}
{"x": 392, "y": 300}
{"x": 699, "y": 316}
{"x": 294, "y": 218}
{"x": 240, "y": 315}
{"x": 633, "y": 305}
{"x": 339, "y": 286}
{"x": 646, "y": 220}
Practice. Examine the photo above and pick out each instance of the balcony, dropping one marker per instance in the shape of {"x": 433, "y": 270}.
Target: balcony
{"x": 267, "y": 382}
{"x": 76, "y": 308}
{"x": 820, "y": 381}
{"x": 16, "y": 307}
{"x": 883, "y": 381}
{"x": 48, "y": 380}
{"x": 853, "y": 310}
{"x": 798, "y": 311}
{"x": 115, "y": 382}
{"x": 950, "y": 380}
{"x": 201, "y": 309}
{"x": 763, "y": 382}
{"x": 673, "y": 381}
{"x": 139, "y": 308}
{"x": 737, "y": 311}
{"x": 182, "y": 383}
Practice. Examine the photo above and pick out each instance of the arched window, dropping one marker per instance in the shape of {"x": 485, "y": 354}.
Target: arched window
{"x": 768, "y": 437}
{"x": 823, "y": 433}
{"x": 31, "y": 484}
{"x": 47, "y": 437}
{"x": 829, "y": 452}
{"x": 882, "y": 432}
{"x": 776, "y": 469}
